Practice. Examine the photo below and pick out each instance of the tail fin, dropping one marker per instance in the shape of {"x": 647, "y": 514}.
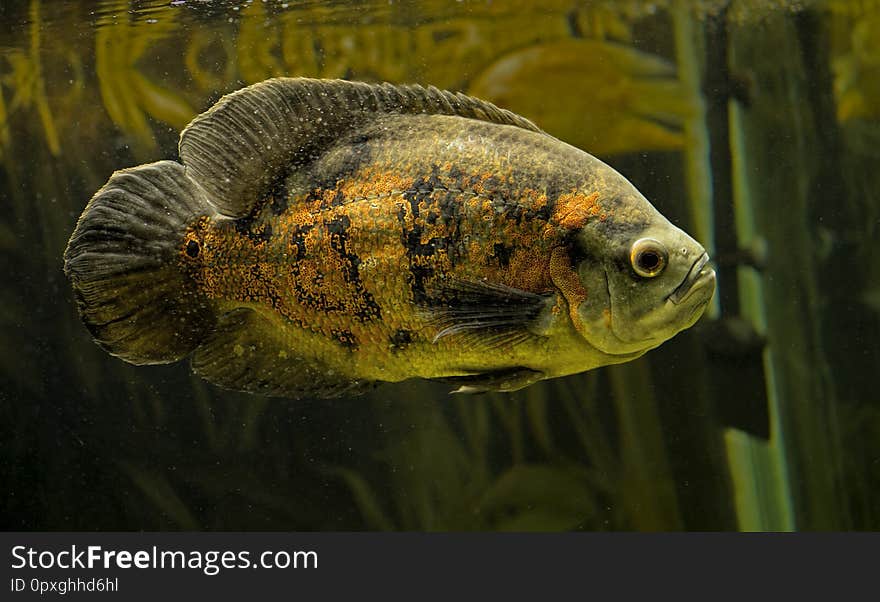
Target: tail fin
{"x": 124, "y": 262}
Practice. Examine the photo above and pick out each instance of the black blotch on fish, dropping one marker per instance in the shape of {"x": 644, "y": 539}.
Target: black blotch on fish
{"x": 401, "y": 339}
{"x": 441, "y": 204}
{"x": 252, "y": 229}
{"x": 411, "y": 239}
{"x": 302, "y": 289}
{"x": 455, "y": 174}
{"x": 501, "y": 253}
{"x": 344, "y": 337}
{"x": 264, "y": 233}
{"x": 367, "y": 309}
{"x": 415, "y": 246}
{"x": 419, "y": 275}
{"x": 575, "y": 250}
{"x": 278, "y": 204}
{"x": 543, "y": 213}
{"x": 298, "y": 240}
{"x": 279, "y": 196}
{"x": 432, "y": 182}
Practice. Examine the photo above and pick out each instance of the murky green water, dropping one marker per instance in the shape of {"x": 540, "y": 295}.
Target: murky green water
{"x": 754, "y": 127}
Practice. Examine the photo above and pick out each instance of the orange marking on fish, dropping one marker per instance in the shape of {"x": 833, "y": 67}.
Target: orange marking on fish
{"x": 373, "y": 182}
{"x": 538, "y": 199}
{"x": 573, "y": 210}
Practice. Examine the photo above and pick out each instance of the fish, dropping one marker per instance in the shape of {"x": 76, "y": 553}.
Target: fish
{"x": 319, "y": 237}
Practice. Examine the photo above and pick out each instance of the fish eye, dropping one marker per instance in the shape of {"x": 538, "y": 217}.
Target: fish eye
{"x": 192, "y": 248}
{"x": 648, "y": 257}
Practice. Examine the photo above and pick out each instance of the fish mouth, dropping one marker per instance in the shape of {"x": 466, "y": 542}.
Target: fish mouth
{"x": 699, "y": 271}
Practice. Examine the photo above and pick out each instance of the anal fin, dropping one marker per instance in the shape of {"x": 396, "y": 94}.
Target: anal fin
{"x": 246, "y": 353}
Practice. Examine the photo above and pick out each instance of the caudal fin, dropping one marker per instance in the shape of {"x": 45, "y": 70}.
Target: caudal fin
{"x": 125, "y": 262}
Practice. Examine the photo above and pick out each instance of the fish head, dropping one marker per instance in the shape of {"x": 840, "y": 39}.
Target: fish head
{"x": 641, "y": 279}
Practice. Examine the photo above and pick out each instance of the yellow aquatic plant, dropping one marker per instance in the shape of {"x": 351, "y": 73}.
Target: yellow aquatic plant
{"x": 604, "y": 97}
{"x": 257, "y": 44}
{"x": 28, "y": 85}
{"x": 601, "y": 22}
{"x": 612, "y": 98}
{"x": 856, "y": 67}
{"x": 4, "y": 125}
{"x": 200, "y": 49}
{"x": 129, "y": 96}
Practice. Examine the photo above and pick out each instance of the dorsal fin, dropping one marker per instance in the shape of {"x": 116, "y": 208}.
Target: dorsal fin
{"x": 239, "y": 147}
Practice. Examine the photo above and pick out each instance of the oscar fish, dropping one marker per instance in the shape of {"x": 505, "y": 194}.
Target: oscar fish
{"x": 317, "y": 237}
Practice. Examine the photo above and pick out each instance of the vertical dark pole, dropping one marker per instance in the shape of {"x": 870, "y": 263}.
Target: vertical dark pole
{"x": 734, "y": 348}
{"x": 716, "y": 89}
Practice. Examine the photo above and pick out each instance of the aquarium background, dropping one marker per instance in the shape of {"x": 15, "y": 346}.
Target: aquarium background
{"x": 752, "y": 125}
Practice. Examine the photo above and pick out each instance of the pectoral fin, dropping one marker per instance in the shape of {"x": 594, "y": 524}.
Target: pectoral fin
{"x": 246, "y": 352}
{"x": 486, "y": 314}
